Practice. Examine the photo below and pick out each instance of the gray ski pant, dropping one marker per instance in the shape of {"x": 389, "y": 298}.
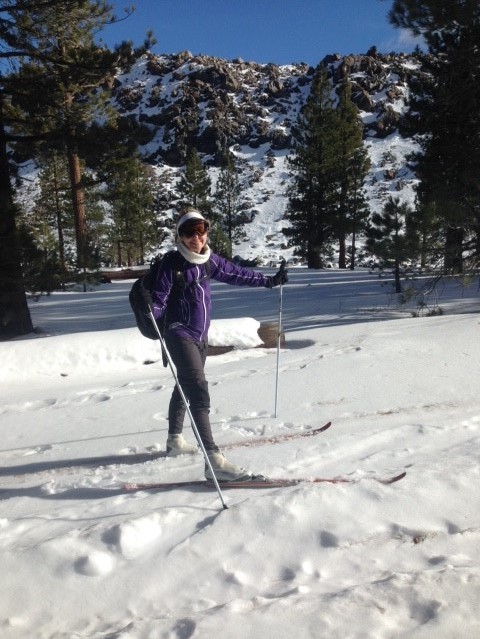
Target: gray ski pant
{"x": 189, "y": 358}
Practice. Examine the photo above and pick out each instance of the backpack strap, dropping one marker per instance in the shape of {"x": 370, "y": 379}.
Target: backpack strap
{"x": 208, "y": 268}
{"x": 208, "y": 272}
{"x": 179, "y": 278}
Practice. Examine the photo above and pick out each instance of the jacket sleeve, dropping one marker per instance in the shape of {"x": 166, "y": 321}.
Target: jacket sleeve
{"x": 161, "y": 286}
{"x": 229, "y": 273}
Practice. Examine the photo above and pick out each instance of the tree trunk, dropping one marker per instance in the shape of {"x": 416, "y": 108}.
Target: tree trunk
{"x": 14, "y": 312}
{"x": 453, "y": 249}
{"x": 398, "y": 283}
{"x": 476, "y": 230}
{"x": 314, "y": 257}
{"x": 354, "y": 251}
{"x": 423, "y": 249}
{"x": 342, "y": 252}
{"x": 142, "y": 250}
{"x": 78, "y": 201}
{"x": 58, "y": 212}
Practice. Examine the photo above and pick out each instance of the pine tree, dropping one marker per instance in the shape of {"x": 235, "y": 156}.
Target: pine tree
{"x": 357, "y": 203}
{"x": 446, "y": 110}
{"x": 195, "y": 185}
{"x": 426, "y": 223}
{"x": 389, "y": 236}
{"x": 130, "y": 194}
{"x": 14, "y": 313}
{"x": 353, "y": 167}
{"x": 41, "y": 269}
{"x": 40, "y": 99}
{"x": 58, "y": 91}
{"x": 51, "y": 219}
{"x": 313, "y": 195}
{"x": 228, "y": 197}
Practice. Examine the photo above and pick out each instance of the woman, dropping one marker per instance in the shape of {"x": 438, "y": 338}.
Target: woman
{"x": 186, "y": 310}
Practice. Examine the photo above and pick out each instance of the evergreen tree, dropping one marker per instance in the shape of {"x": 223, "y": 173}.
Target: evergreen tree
{"x": 427, "y": 224}
{"x": 353, "y": 167}
{"x": 358, "y": 210}
{"x": 51, "y": 219}
{"x": 58, "y": 91}
{"x": 130, "y": 194}
{"x": 43, "y": 103}
{"x": 446, "y": 110}
{"x": 41, "y": 268}
{"x": 228, "y": 197}
{"x": 14, "y": 313}
{"x": 313, "y": 195}
{"x": 195, "y": 185}
{"x": 389, "y": 238}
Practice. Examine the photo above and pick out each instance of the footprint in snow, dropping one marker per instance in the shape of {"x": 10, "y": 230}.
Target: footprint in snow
{"x": 37, "y": 450}
{"x": 26, "y": 407}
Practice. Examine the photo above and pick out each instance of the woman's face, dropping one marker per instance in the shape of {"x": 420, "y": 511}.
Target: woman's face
{"x": 194, "y": 236}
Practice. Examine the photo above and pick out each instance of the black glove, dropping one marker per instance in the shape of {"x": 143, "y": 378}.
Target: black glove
{"x": 279, "y": 278}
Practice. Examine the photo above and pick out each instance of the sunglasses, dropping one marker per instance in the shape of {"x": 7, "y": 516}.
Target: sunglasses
{"x": 198, "y": 228}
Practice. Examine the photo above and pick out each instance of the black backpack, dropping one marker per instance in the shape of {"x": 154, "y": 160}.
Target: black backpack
{"x": 140, "y": 296}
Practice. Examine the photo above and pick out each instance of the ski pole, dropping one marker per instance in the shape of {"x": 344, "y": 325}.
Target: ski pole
{"x": 185, "y": 401}
{"x": 280, "y": 308}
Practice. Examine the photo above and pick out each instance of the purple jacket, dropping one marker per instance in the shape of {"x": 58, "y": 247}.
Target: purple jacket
{"x": 188, "y": 308}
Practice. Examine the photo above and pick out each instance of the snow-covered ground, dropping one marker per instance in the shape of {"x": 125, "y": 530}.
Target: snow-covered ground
{"x": 84, "y": 411}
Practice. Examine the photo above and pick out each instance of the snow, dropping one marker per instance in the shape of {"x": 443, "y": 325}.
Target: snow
{"x": 84, "y": 411}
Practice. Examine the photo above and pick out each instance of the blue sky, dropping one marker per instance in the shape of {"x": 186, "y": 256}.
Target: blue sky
{"x": 278, "y": 31}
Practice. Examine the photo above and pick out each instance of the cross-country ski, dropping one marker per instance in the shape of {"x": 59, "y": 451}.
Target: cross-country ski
{"x": 258, "y": 482}
{"x": 276, "y": 439}
{"x": 69, "y": 465}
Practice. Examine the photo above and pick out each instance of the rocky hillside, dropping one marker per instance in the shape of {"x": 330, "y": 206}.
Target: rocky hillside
{"x": 209, "y": 102}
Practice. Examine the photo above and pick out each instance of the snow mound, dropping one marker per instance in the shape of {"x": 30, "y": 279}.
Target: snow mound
{"x": 134, "y": 537}
{"x": 104, "y": 351}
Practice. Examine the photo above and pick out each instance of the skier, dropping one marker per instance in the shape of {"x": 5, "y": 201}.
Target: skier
{"x": 185, "y": 313}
